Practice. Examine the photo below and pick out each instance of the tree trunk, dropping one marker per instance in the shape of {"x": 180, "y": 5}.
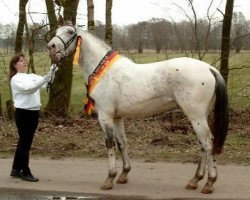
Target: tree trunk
{"x": 30, "y": 48}
{"x": 52, "y": 17}
{"x": 91, "y": 21}
{"x": 158, "y": 46}
{"x": 225, "y": 44}
{"x": 70, "y": 10}
{"x": 60, "y": 93}
{"x": 10, "y": 109}
{"x": 108, "y": 31}
{"x": 20, "y": 27}
{"x": 140, "y": 47}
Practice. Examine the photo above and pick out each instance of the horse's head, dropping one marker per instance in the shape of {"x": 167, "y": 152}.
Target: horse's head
{"x": 64, "y": 43}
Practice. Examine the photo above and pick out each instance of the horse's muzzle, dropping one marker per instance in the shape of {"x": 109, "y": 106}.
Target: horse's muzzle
{"x": 55, "y": 57}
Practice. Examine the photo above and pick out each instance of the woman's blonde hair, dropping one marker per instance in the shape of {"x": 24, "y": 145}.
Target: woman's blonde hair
{"x": 13, "y": 61}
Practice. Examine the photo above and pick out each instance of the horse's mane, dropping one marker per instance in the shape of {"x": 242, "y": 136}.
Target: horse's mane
{"x": 97, "y": 42}
{"x": 94, "y": 39}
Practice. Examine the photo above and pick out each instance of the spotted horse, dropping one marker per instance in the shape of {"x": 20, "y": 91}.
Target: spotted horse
{"x": 117, "y": 87}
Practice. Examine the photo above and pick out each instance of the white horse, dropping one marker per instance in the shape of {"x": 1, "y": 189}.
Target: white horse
{"x": 127, "y": 89}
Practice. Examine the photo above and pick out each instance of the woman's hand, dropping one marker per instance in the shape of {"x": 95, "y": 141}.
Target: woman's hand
{"x": 53, "y": 70}
{"x": 51, "y": 75}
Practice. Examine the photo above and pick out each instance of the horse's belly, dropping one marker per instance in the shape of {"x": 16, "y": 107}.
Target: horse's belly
{"x": 145, "y": 108}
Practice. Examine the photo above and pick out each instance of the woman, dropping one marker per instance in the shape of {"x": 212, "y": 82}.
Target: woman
{"x": 26, "y": 96}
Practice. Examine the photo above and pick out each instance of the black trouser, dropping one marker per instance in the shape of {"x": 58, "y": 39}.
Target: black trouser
{"x": 26, "y": 122}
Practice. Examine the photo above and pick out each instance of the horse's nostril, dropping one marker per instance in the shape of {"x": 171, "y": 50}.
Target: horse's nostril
{"x": 53, "y": 45}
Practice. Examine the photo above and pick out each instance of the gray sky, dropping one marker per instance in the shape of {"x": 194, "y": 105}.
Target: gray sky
{"x": 125, "y": 11}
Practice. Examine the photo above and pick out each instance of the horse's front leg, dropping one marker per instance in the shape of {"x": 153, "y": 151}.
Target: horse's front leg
{"x": 107, "y": 125}
{"x": 122, "y": 146}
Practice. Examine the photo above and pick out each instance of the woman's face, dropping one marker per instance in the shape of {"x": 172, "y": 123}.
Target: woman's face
{"x": 21, "y": 65}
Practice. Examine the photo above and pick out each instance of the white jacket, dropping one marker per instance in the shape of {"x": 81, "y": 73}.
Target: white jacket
{"x": 26, "y": 90}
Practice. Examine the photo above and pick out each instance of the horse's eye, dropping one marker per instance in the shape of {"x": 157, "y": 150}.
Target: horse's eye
{"x": 70, "y": 32}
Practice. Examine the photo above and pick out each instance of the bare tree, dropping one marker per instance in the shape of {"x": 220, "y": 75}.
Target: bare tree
{"x": 160, "y": 32}
{"x": 200, "y": 29}
{"x": 100, "y": 30}
{"x": 70, "y": 10}
{"x": 138, "y": 33}
{"x": 8, "y": 35}
{"x": 20, "y": 27}
{"x": 60, "y": 93}
{"x": 30, "y": 48}
{"x": 109, "y": 28}
{"x": 31, "y": 33}
{"x": 239, "y": 30}
{"x": 3, "y": 74}
{"x": 225, "y": 43}
{"x": 52, "y": 17}
{"x": 91, "y": 21}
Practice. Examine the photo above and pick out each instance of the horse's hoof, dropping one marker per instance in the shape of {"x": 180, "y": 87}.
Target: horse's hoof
{"x": 208, "y": 189}
{"x": 122, "y": 179}
{"x": 192, "y": 184}
{"x": 107, "y": 186}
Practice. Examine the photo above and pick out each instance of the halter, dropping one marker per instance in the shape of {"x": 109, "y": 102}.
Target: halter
{"x": 66, "y": 44}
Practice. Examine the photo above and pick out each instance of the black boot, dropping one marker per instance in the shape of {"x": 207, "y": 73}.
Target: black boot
{"x": 15, "y": 173}
{"x": 29, "y": 177}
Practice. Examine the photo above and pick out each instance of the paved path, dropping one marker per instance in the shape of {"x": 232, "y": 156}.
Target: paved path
{"x": 157, "y": 180}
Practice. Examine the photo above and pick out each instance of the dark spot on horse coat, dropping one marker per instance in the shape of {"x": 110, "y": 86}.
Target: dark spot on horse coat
{"x": 118, "y": 144}
{"x": 109, "y": 137}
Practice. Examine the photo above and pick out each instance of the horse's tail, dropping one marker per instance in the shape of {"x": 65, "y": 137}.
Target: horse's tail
{"x": 221, "y": 113}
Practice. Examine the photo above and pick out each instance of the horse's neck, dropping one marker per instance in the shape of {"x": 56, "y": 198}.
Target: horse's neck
{"x": 92, "y": 52}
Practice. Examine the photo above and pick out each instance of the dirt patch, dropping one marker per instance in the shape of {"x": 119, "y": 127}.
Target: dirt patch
{"x": 163, "y": 137}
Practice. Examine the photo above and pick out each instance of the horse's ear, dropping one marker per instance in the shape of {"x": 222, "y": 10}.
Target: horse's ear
{"x": 61, "y": 21}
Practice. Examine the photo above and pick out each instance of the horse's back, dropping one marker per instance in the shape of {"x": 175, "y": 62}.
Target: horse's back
{"x": 188, "y": 64}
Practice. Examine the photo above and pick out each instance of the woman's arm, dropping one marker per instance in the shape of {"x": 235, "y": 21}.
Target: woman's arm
{"x": 27, "y": 87}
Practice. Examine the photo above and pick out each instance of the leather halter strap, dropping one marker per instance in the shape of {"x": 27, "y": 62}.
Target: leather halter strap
{"x": 66, "y": 44}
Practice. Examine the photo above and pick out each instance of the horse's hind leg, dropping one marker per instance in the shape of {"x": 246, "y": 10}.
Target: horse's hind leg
{"x": 107, "y": 125}
{"x": 204, "y": 134}
{"x": 200, "y": 172}
{"x": 122, "y": 146}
